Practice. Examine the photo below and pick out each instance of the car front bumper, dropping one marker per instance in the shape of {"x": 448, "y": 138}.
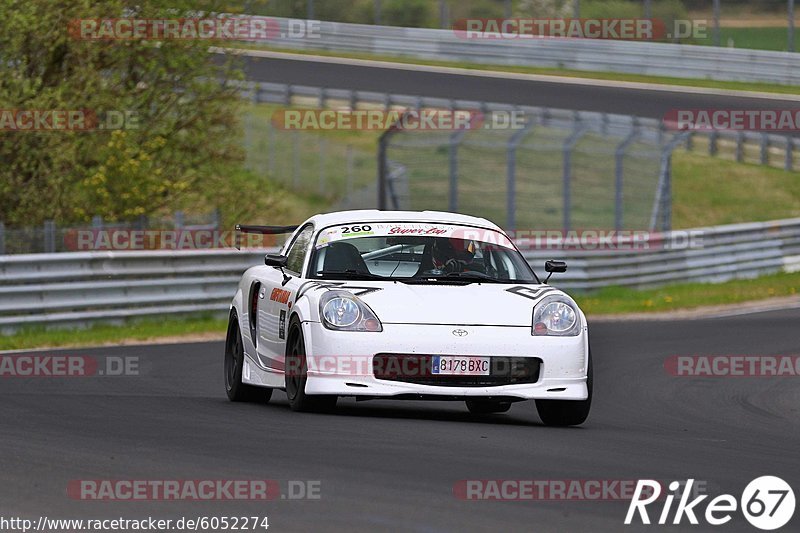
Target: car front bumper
{"x": 340, "y": 362}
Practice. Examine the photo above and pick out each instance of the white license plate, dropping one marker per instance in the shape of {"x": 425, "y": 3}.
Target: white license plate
{"x": 454, "y": 365}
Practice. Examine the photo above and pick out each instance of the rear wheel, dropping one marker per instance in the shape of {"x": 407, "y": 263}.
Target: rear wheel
{"x": 234, "y": 363}
{"x": 297, "y": 375}
{"x": 567, "y": 412}
{"x": 487, "y": 407}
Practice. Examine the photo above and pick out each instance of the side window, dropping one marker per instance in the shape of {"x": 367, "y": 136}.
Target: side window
{"x": 297, "y": 252}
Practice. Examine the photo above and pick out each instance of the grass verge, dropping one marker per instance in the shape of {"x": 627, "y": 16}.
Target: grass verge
{"x": 608, "y": 301}
{"x": 616, "y": 300}
{"x": 101, "y": 334}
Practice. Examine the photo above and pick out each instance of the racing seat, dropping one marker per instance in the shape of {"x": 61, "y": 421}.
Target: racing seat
{"x": 342, "y": 256}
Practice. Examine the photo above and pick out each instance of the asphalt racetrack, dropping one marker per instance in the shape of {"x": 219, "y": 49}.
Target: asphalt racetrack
{"x": 586, "y": 96}
{"x": 392, "y": 466}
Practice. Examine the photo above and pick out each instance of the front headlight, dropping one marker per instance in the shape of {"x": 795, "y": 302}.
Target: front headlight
{"x": 341, "y": 310}
{"x": 556, "y": 315}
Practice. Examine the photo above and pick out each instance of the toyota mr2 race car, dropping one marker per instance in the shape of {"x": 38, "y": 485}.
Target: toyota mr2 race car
{"x": 406, "y": 305}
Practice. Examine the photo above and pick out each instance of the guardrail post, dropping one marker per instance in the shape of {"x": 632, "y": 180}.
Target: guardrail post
{"x": 49, "y": 236}
{"x": 322, "y": 97}
{"x": 387, "y": 102}
{"x": 287, "y": 95}
{"x": 619, "y": 157}
{"x": 257, "y": 91}
{"x": 764, "y": 149}
{"x": 787, "y": 164}
{"x": 353, "y": 100}
{"x": 2, "y": 238}
{"x": 511, "y": 174}
{"x": 712, "y": 142}
{"x": 740, "y": 146}
{"x": 690, "y": 142}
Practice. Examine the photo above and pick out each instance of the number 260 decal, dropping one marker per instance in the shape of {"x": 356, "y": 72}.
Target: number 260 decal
{"x": 355, "y": 229}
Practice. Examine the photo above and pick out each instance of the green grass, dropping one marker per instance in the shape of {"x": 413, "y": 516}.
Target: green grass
{"x": 597, "y": 75}
{"x": 775, "y": 39}
{"x": 710, "y": 191}
{"x": 616, "y": 300}
{"x": 99, "y": 334}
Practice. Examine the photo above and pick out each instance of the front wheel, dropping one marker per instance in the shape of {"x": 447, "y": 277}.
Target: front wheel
{"x": 234, "y": 363}
{"x": 567, "y": 412}
{"x": 297, "y": 375}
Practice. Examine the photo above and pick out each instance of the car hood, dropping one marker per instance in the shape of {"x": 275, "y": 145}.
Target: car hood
{"x": 486, "y": 304}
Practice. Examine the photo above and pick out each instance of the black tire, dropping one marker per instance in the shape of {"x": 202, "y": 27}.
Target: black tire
{"x": 567, "y": 412}
{"x": 487, "y": 407}
{"x": 297, "y": 375}
{"x": 234, "y": 362}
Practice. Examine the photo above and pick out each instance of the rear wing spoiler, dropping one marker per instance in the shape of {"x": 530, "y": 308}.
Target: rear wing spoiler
{"x": 262, "y": 230}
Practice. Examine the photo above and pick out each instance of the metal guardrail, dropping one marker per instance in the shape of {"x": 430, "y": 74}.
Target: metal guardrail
{"x": 70, "y": 289}
{"x": 632, "y": 57}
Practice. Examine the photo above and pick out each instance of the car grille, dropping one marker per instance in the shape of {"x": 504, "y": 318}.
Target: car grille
{"x": 413, "y": 368}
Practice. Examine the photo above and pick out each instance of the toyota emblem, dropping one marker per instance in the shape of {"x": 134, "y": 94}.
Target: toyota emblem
{"x": 460, "y": 332}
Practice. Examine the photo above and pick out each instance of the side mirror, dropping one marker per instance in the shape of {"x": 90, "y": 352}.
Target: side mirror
{"x": 554, "y": 266}
{"x": 275, "y": 260}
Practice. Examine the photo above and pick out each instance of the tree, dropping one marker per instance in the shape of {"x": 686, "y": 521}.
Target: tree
{"x": 181, "y": 131}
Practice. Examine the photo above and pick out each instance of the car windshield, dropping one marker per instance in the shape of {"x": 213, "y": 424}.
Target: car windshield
{"x": 417, "y": 253}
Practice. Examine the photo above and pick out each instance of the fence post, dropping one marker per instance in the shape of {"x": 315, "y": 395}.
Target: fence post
{"x": 790, "y": 32}
{"x": 49, "y": 236}
{"x": 348, "y": 185}
{"x": 295, "y": 160}
{"x": 569, "y": 144}
{"x": 322, "y": 144}
{"x": 619, "y": 157}
{"x": 787, "y": 164}
{"x": 2, "y": 238}
{"x": 511, "y": 173}
{"x": 271, "y": 150}
{"x": 97, "y": 222}
{"x": 322, "y": 97}
{"x": 179, "y": 220}
{"x": 383, "y": 162}
{"x": 455, "y": 140}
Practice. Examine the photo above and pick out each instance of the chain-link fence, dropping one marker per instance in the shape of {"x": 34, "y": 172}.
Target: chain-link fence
{"x": 312, "y": 163}
{"x": 557, "y": 170}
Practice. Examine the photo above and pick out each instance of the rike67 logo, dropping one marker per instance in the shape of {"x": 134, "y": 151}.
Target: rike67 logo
{"x": 767, "y": 502}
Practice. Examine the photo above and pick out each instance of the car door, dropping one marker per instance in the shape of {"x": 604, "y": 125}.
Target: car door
{"x": 275, "y": 299}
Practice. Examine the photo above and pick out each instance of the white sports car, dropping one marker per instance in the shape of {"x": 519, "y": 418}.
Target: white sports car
{"x": 406, "y": 305}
